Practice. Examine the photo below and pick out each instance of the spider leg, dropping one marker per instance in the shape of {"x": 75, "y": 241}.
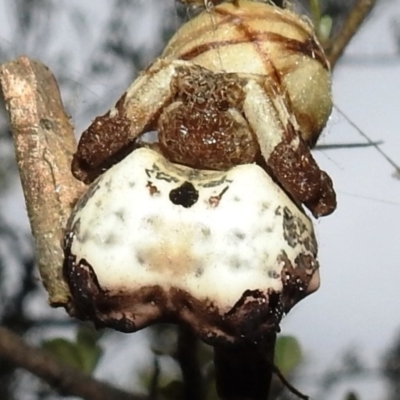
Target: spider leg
{"x": 284, "y": 151}
{"x": 113, "y": 135}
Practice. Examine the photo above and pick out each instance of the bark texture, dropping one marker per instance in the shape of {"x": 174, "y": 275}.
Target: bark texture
{"x": 44, "y": 144}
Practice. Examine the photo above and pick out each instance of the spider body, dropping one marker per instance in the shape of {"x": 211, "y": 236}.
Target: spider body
{"x": 237, "y": 84}
{"x": 206, "y": 226}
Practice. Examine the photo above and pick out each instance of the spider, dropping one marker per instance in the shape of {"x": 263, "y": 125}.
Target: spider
{"x": 241, "y": 83}
{"x": 205, "y": 226}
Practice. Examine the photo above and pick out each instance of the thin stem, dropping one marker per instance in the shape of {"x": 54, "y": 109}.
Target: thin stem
{"x": 187, "y": 357}
{"x": 244, "y": 372}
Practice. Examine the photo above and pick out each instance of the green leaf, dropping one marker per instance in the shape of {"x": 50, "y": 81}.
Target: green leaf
{"x": 89, "y": 357}
{"x": 64, "y": 350}
{"x": 87, "y": 335}
{"x": 288, "y": 354}
{"x": 83, "y": 354}
{"x": 315, "y": 11}
{"x": 88, "y": 348}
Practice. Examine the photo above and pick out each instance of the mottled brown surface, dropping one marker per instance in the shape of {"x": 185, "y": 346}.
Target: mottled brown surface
{"x": 296, "y": 279}
{"x": 44, "y": 144}
{"x": 298, "y": 173}
{"x": 103, "y": 144}
{"x": 278, "y": 44}
{"x": 198, "y": 128}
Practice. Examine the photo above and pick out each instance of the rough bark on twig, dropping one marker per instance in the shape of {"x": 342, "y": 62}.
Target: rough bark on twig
{"x": 44, "y": 144}
{"x": 335, "y": 48}
{"x": 65, "y": 380}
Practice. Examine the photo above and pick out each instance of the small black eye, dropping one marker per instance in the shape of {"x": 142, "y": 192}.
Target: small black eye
{"x": 185, "y": 195}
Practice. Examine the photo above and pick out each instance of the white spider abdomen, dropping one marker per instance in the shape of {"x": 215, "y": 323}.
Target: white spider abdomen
{"x": 152, "y": 241}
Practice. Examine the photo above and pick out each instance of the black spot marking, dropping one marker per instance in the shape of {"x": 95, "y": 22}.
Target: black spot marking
{"x": 218, "y": 182}
{"x": 120, "y": 215}
{"x": 206, "y": 232}
{"x": 264, "y": 206}
{"x": 273, "y": 274}
{"x": 107, "y": 184}
{"x": 140, "y": 259}
{"x": 110, "y": 239}
{"x": 185, "y": 195}
{"x": 291, "y": 228}
{"x": 240, "y": 235}
{"x": 162, "y": 176}
{"x": 76, "y": 228}
{"x": 235, "y": 263}
{"x": 85, "y": 236}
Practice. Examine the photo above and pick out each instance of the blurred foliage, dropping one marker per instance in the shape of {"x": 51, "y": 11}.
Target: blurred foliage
{"x": 391, "y": 369}
{"x": 83, "y": 354}
{"x": 167, "y": 385}
{"x": 322, "y": 23}
{"x": 288, "y": 354}
{"x": 349, "y": 366}
{"x": 16, "y": 258}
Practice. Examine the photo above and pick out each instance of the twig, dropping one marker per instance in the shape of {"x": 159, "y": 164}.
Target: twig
{"x": 287, "y": 384}
{"x": 357, "y": 15}
{"x": 63, "y": 379}
{"x": 187, "y": 358}
{"x": 44, "y": 144}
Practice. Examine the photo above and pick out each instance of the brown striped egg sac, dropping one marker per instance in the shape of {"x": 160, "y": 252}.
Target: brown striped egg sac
{"x": 205, "y": 226}
{"x": 224, "y": 252}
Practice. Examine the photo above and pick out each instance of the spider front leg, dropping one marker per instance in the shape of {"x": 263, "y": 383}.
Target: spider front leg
{"x": 113, "y": 135}
{"x": 285, "y": 152}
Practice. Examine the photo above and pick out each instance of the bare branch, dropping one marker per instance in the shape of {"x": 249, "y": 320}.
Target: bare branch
{"x": 63, "y": 379}
{"x": 44, "y": 144}
{"x": 357, "y": 15}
